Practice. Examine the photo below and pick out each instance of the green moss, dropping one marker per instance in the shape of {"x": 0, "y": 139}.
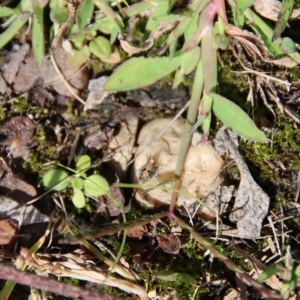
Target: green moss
{"x": 234, "y": 86}
{"x": 293, "y": 74}
{"x": 21, "y": 106}
{"x": 269, "y": 160}
{"x": 3, "y": 114}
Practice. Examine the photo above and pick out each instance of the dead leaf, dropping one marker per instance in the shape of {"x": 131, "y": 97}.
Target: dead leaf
{"x": 77, "y": 268}
{"x": 285, "y": 62}
{"x": 16, "y": 188}
{"x": 18, "y": 133}
{"x": 107, "y": 207}
{"x": 137, "y": 232}
{"x": 169, "y": 243}
{"x": 253, "y": 46}
{"x": 30, "y": 71}
{"x": 96, "y": 138}
{"x": 8, "y": 229}
{"x": 4, "y": 89}
{"x": 38, "y": 94}
{"x": 12, "y": 67}
{"x": 270, "y": 9}
{"x": 96, "y": 93}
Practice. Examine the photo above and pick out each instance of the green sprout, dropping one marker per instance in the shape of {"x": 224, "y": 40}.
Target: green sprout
{"x": 93, "y": 186}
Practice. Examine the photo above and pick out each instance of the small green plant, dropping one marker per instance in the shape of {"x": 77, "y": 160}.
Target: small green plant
{"x": 93, "y": 185}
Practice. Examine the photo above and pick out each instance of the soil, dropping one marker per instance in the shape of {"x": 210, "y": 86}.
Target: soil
{"x": 42, "y": 124}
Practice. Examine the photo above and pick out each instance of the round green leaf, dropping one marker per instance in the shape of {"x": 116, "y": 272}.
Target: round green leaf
{"x": 59, "y": 14}
{"x": 78, "y": 199}
{"x": 54, "y": 177}
{"x": 83, "y": 163}
{"x": 100, "y": 47}
{"x": 108, "y": 25}
{"x": 77, "y": 183}
{"x": 79, "y": 57}
{"x": 96, "y": 185}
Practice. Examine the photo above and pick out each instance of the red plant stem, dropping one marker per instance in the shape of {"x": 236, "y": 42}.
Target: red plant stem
{"x": 51, "y": 285}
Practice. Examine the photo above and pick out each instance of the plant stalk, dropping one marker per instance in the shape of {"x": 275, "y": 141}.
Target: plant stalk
{"x": 187, "y": 131}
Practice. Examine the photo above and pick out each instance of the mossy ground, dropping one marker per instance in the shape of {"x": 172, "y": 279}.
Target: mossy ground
{"x": 284, "y": 149}
{"x": 273, "y": 165}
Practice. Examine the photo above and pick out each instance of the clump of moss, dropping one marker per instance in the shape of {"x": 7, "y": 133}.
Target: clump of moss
{"x": 234, "y": 86}
{"x": 273, "y": 162}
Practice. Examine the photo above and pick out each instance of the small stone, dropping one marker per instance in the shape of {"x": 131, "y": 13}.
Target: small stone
{"x": 155, "y": 162}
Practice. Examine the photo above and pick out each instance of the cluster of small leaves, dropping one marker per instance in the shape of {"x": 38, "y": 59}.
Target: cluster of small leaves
{"x": 92, "y": 33}
{"x": 85, "y": 40}
{"x": 93, "y": 185}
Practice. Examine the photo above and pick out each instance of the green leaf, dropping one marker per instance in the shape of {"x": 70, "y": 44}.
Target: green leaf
{"x": 6, "y": 12}
{"x": 14, "y": 28}
{"x": 79, "y": 57}
{"x": 186, "y": 278}
{"x": 96, "y": 185}
{"x": 288, "y": 46}
{"x": 190, "y": 60}
{"x": 85, "y": 13}
{"x": 238, "y": 10}
{"x": 239, "y": 19}
{"x": 109, "y": 12}
{"x": 236, "y": 119}
{"x": 162, "y": 8}
{"x": 78, "y": 199}
{"x": 283, "y": 17}
{"x": 107, "y": 25}
{"x": 137, "y": 8}
{"x": 54, "y": 177}
{"x": 100, "y": 47}
{"x": 38, "y": 38}
{"x": 83, "y": 163}
{"x": 77, "y": 183}
{"x": 220, "y": 39}
{"x": 191, "y": 24}
{"x": 297, "y": 271}
{"x": 114, "y": 34}
{"x": 267, "y": 273}
{"x": 143, "y": 72}
{"x": 178, "y": 78}
{"x": 38, "y": 41}
{"x": 59, "y": 14}
{"x": 173, "y": 276}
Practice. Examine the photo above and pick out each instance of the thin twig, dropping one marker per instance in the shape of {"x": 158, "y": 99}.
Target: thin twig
{"x": 70, "y": 88}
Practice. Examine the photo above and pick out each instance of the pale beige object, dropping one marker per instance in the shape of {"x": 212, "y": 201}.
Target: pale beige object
{"x": 156, "y": 160}
{"x": 123, "y": 145}
{"x": 270, "y": 9}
